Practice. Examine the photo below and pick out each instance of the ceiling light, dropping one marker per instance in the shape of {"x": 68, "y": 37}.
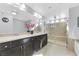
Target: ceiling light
{"x": 57, "y": 21}
{"x": 13, "y": 12}
{"x": 37, "y": 15}
{"x": 62, "y": 15}
{"x": 52, "y": 21}
{"x": 62, "y": 20}
{"x": 22, "y": 7}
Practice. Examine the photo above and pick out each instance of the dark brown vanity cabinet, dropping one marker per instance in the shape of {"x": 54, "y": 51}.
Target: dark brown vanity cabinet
{"x": 10, "y": 48}
{"x": 24, "y": 46}
{"x": 16, "y": 51}
{"x": 21, "y": 47}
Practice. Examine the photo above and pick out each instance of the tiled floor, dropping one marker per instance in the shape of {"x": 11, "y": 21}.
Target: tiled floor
{"x": 54, "y": 50}
{"x": 57, "y": 45}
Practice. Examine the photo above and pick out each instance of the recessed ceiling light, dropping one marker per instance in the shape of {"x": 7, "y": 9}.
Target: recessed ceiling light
{"x": 13, "y": 12}
{"x": 37, "y": 15}
{"x": 22, "y": 7}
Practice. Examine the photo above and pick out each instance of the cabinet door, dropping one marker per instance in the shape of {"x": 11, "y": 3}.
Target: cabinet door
{"x": 44, "y": 40}
{"x": 39, "y": 42}
{"x": 11, "y": 51}
{"x": 27, "y": 47}
{"x": 36, "y": 43}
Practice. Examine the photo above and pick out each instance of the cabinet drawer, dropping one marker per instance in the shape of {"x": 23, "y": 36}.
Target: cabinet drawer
{"x": 36, "y": 37}
{"x": 16, "y": 43}
{"x": 5, "y": 45}
{"x": 26, "y": 40}
{"x": 11, "y": 52}
{"x": 19, "y": 42}
{"x": 28, "y": 49}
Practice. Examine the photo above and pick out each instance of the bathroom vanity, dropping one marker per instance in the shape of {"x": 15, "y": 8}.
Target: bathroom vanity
{"x": 22, "y": 45}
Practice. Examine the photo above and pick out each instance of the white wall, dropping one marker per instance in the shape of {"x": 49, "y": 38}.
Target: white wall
{"x": 72, "y": 23}
{"x": 6, "y": 27}
{"x": 18, "y": 26}
{"x": 12, "y": 26}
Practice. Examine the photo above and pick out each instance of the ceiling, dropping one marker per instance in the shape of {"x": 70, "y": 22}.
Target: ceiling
{"x": 51, "y": 9}
{"x": 20, "y": 15}
{"x": 45, "y": 9}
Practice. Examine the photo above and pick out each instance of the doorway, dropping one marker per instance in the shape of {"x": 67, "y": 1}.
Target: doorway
{"x": 57, "y": 33}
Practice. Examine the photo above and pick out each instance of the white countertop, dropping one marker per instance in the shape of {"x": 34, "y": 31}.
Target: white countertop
{"x": 15, "y": 37}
